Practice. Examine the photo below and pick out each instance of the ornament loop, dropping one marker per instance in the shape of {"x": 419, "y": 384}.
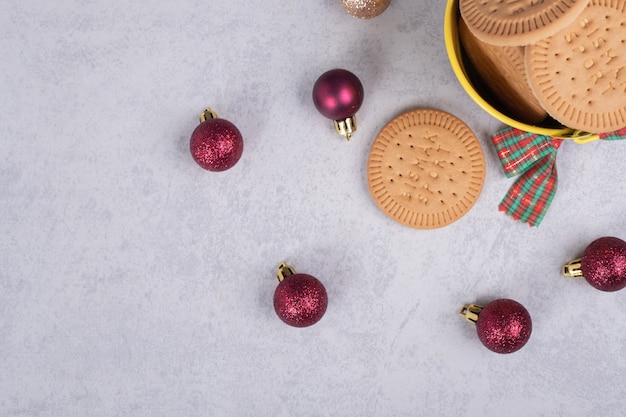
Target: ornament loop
{"x": 284, "y": 270}
{"x": 471, "y": 312}
{"x": 573, "y": 269}
{"x": 207, "y": 114}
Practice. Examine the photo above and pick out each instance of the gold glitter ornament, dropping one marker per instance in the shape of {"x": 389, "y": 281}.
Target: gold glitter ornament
{"x": 365, "y": 9}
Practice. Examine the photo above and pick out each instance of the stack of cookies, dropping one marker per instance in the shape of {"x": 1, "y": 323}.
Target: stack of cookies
{"x": 550, "y": 60}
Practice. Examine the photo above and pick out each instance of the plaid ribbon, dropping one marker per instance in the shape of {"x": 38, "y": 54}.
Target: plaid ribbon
{"x": 533, "y": 158}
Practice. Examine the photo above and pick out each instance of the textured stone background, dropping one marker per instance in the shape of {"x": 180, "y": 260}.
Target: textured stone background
{"x": 133, "y": 283}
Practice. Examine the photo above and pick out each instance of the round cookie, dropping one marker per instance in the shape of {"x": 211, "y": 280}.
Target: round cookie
{"x": 579, "y": 74}
{"x": 426, "y": 169}
{"x": 518, "y": 22}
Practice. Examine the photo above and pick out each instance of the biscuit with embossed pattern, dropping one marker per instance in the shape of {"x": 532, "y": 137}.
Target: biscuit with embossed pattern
{"x": 518, "y": 22}
{"x": 426, "y": 169}
{"x": 579, "y": 74}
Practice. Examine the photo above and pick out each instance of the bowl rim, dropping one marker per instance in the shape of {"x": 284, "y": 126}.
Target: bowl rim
{"x": 453, "y": 48}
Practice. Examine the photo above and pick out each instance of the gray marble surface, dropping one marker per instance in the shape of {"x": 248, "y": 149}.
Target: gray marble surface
{"x": 133, "y": 283}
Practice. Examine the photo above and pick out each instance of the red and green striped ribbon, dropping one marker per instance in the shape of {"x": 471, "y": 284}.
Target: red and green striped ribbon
{"x": 533, "y": 158}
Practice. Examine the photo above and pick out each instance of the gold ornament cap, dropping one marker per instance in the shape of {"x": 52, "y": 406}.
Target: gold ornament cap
{"x": 207, "y": 114}
{"x": 471, "y": 312}
{"x": 346, "y": 126}
{"x": 365, "y": 9}
{"x": 284, "y": 270}
{"x": 573, "y": 269}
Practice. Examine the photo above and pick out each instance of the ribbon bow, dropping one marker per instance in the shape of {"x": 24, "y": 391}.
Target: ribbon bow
{"x": 533, "y": 157}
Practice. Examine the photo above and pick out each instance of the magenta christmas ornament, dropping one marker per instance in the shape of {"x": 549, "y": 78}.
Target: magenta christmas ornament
{"x": 503, "y": 326}
{"x": 365, "y": 9}
{"x": 338, "y": 95}
{"x": 300, "y": 300}
{"x": 216, "y": 144}
{"x": 603, "y": 264}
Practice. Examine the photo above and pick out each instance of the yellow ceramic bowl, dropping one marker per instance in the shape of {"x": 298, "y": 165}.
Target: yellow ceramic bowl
{"x": 455, "y": 54}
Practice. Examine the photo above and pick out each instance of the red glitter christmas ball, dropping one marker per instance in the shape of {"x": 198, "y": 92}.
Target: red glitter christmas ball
{"x": 216, "y": 144}
{"x": 504, "y": 326}
{"x": 300, "y": 300}
{"x": 603, "y": 264}
{"x": 338, "y": 94}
